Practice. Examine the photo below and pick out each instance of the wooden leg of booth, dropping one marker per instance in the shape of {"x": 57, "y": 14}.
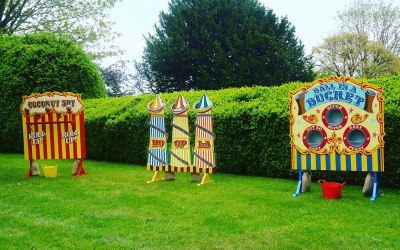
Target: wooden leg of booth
{"x": 81, "y": 170}
{"x": 29, "y": 174}
{"x": 298, "y": 191}
{"x": 156, "y": 177}
{"x": 375, "y": 189}
{"x": 206, "y": 179}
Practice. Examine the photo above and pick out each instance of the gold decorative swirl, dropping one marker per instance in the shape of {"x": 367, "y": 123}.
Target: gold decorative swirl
{"x": 332, "y": 149}
{"x": 313, "y": 119}
{"x": 335, "y": 141}
{"x": 379, "y": 117}
{"x": 291, "y": 117}
{"x": 357, "y": 118}
{"x": 309, "y": 151}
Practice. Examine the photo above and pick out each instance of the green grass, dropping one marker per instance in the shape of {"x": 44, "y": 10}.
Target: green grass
{"x": 114, "y": 208}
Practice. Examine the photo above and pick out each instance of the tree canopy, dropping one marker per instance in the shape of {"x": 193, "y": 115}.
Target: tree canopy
{"x": 85, "y": 21}
{"x": 213, "y": 44}
{"x": 354, "y": 55}
{"x": 118, "y": 81}
{"x": 38, "y": 63}
{"x": 379, "y": 19}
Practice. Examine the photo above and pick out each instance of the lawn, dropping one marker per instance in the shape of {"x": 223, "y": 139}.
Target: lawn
{"x": 114, "y": 208}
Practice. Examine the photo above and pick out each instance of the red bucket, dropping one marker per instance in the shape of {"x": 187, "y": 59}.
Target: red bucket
{"x": 331, "y": 190}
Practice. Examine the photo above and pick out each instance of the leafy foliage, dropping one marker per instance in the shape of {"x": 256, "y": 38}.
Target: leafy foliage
{"x": 83, "y": 20}
{"x": 118, "y": 81}
{"x": 379, "y": 19}
{"x": 214, "y": 44}
{"x": 35, "y": 64}
{"x": 251, "y": 125}
{"x": 354, "y": 55}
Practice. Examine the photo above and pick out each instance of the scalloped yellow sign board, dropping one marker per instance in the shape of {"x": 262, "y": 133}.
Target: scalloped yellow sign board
{"x": 337, "y": 123}
{"x": 53, "y": 126}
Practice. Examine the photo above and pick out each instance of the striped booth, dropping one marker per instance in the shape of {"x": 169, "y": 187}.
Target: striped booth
{"x": 204, "y": 158}
{"x": 180, "y": 147}
{"x": 179, "y": 156}
{"x": 336, "y": 124}
{"x": 158, "y": 157}
{"x": 53, "y": 127}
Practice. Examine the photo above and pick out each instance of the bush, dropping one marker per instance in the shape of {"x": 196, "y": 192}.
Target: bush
{"x": 251, "y": 125}
{"x": 40, "y": 63}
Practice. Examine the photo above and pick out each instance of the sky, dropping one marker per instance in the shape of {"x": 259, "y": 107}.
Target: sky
{"x": 313, "y": 20}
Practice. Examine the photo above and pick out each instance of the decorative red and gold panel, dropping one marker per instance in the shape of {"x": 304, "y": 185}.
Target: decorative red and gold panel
{"x": 337, "y": 117}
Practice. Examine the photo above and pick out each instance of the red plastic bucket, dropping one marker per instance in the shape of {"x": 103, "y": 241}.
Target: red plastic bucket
{"x": 331, "y": 190}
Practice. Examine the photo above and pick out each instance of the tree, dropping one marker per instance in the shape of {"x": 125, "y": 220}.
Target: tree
{"x": 38, "y": 63}
{"x": 118, "y": 81}
{"x": 213, "y": 44}
{"x": 379, "y": 19}
{"x": 84, "y": 20}
{"x": 354, "y": 55}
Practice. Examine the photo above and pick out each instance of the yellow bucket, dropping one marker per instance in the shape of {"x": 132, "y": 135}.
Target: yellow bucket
{"x": 50, "y": 171}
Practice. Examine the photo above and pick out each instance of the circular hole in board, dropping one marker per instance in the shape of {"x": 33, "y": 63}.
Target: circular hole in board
{"x": 334, "y": 117}
{"x": 314, "y": 138}
{"x": 356, "y": 138}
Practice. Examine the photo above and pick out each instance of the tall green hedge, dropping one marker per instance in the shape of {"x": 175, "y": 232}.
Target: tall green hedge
{"x": 38, "y": 63}
{"x": 251, "y": 125}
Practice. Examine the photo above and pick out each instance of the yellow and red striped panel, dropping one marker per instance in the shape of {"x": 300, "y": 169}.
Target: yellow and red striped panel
{"x": 207, "y": 155}
{"x": 204, "y": 143}
{"x": 205, "y": 122}
{"x": 49, "y": 136}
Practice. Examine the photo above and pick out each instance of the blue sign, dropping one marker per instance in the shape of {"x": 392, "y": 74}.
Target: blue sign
{"x": 334, "y": 92}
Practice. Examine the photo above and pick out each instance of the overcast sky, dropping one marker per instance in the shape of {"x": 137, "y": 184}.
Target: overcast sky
{"x": 313, "y": 20}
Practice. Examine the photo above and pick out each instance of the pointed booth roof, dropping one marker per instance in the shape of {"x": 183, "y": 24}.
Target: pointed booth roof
{"x": 204, "y": 105}
{"x": 179, "y": 106}
{"x": 156, "y": 105}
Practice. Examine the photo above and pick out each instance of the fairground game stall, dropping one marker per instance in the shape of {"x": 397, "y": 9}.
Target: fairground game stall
{"x": 178, "y": 158}
{"x": 337, "y": 124}
{"x": 54, "y": 128}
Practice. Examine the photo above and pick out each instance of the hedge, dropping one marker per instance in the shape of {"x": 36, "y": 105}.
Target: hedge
{"x": 37, "y": 63}
{"x": 251, "y": 126}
